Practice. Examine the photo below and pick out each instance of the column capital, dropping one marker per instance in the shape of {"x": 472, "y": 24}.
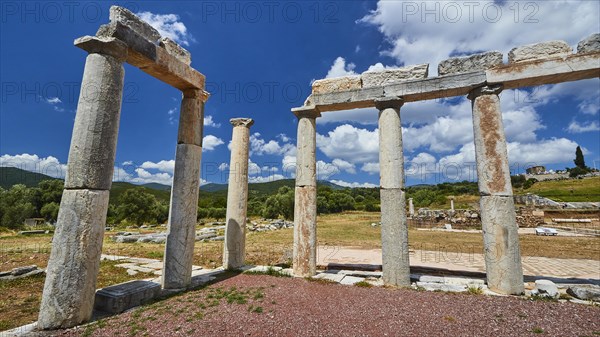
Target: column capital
{"x": 393, "y": 102}
{"x": 196, "y": 93}
{"x": 103, "y": 45}
{"x": 247, "y": 122}
{"x": 306, "y": 112}
{"x": 493, "y": 89}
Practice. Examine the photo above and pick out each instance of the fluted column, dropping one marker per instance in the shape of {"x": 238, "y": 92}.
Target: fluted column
{"x": 181, "y": 234}
{"x": 69, "y": 289}
{"x": 305, "y": 199}
{"x": 498, "y": 216}
{"x": 394, "y": 228}
{"x": 234, "y": 249}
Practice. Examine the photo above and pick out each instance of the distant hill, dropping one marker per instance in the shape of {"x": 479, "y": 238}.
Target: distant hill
{"x": 10, "y": 176}
{"x": 157, "y": 186}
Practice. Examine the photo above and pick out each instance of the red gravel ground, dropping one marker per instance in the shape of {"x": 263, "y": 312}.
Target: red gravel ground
{"x": 271, "y": 306}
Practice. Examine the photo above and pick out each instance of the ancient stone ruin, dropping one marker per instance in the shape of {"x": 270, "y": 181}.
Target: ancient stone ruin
{"x": 68, "y": 297}
{"x": 481, "y": 77}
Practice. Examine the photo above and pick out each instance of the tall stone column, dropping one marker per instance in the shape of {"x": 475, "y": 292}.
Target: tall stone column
{"x": 394, "y": 228}
{"x": 234, "y": 249}
{"x": 498, "y": 217}
{"x": 181, "y": 235}
{"x": 411, "y": 207}
{"x": 305, "y": 199}
{"x": 69, "y": 289}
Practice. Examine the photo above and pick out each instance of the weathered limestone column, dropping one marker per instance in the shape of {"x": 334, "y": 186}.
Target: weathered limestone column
{"x": 234, "y": 249}
{"x": 394, "y": 228}
{"x": 181, "y": 236}
{"x": 68, "y": 297}
{"x": 452, "y": 204}
{"x": 498, "y": 217}
{"x": 305, "y": 199}
{"x": 411, "y": 207}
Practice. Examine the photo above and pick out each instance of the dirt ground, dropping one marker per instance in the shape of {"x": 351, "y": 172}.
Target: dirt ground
{"x": 251, "y": 305}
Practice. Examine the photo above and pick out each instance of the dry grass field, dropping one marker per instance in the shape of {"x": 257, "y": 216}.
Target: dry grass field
{"x": 20, "y": 300}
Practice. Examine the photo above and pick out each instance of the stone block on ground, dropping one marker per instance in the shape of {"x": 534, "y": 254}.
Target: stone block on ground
{"x": 429, "y": 286}
{"x": 589, "y": 44}
{"x": 329, "y": 276}
{"x": 538, "y": 51}
{"x": 389, "y": 76}
{"x": 118, "y": 298}
{"x": 589, "y": 292}
{"x": 336, "y": 84}
{"x": 351, "y": 280}
{"x": 134, "y": 22}
{"x": 545, "y": 288}
{"x": 465, "y": 64}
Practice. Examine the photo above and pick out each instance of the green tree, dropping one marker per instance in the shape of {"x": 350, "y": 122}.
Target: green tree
{"x": 50, "y": 211}
{"x": 137, "y": 206}
{"x": 281, "y": 204}
{"x": 16, "y": 205}
{"x": 579, "y": 161}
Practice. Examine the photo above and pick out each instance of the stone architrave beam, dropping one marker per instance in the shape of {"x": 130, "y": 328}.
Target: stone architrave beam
{"x": 550, "y": 70}
{"x": 154, "y": 59}
{"x": 234, "y": 249}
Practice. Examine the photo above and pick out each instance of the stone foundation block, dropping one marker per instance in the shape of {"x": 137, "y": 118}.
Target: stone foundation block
{"x": 118, "y": 298}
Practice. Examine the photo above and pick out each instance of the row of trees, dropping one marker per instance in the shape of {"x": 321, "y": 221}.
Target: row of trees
{"x": 21, "y": 202}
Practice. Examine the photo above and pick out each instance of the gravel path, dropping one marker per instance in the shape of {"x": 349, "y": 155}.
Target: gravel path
{"x": 272, "y": 306}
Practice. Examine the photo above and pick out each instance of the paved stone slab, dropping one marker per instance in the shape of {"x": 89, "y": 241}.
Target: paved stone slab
{"x": 118, "y": 298}
{"x": 336, "y": 84}
{"x": 466, "y": 64}
{"x": 442, "y": 287}
{"x": 538, "y": 51}
{"x": 351, "y": 280}
{"x": 390, "y": 76}
{"x": 329, "y": 276}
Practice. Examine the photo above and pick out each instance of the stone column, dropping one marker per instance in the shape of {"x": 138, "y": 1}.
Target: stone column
{"x": 70, "y": 286}
{"x": 234, "y": 249}
{"x": 394, "y": 229}
{"x": 181, "y": 236}
{"x": 498, "y": 216}
{"x": 411, "y": 207}
{"x": 452, "y": 204}
{"x": 305, "y": 199}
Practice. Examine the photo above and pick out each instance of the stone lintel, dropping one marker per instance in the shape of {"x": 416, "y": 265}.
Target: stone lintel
{"x": 306, "y": 112}
{"x": 176, "y": 50}
{"x": 538, "y": 51}
{"x": 337, "y": 84}
{"x": 589, "y": 45}
{"x": 469, "y": 63}
{"x": 196, "y": 93}
{"x": 103, "y": 45}
{"x": 390, "y": 76}
{"x": 549, "y": 70}
{"x": 494, "y": 89}
{"x": 153, "y": 59}
{"x": 553, "y": 70}
{"x": 126, "y": 17}
{"x": 389, "y": 102}
{"x": 247, "y": 122}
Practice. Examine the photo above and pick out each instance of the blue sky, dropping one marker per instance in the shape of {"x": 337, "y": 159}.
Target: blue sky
{"x": 260, "y": 58}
